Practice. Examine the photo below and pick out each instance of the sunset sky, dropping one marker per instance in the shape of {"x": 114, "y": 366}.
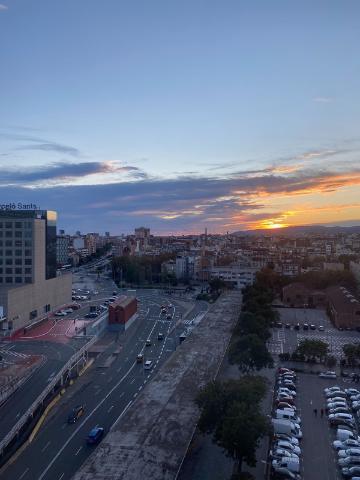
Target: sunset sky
{"x": 181, "y": 115}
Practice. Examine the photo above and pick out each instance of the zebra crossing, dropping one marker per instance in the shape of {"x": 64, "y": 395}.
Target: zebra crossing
{"x": 335, "y": 342}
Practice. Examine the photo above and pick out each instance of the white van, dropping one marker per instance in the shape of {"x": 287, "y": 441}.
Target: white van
{"x": 292, "y": 464}
{"x": 287, "y": 415}
{"x": 148, "y": 365}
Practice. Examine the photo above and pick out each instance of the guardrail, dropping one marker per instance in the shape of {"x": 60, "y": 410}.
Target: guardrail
{"x": 21, "y": 422}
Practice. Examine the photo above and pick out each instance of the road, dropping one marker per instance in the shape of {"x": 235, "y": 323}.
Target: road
{"x": 59, "y": 449}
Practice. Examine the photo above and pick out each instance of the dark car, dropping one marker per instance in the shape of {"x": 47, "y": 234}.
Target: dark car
{"x": 160, "y": 336}
{"x": 76, "y": 413}
{"x": 305, "y": 326}
{"x": 287, "y": 325}
{"x": 297, "y": 326}
{"x": 312, "y": 327}
{"x": 95, "y": 435}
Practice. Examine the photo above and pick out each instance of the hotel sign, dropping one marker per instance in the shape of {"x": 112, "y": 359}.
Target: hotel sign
{"x": 19, "y": 206}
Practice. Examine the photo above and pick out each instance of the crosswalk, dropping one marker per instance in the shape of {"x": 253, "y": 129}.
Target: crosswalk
{"x": 335, "y": 342}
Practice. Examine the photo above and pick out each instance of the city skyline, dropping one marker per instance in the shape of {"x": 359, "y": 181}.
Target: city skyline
{"x": 181, "y": 117}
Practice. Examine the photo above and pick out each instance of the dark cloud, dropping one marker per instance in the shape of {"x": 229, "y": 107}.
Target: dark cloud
{"x": 60, "y": 171}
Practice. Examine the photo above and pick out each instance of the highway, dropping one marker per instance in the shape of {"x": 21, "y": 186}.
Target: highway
{"x": 59, "y": 449}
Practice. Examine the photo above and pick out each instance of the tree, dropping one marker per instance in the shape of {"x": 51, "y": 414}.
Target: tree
{"x": 250, "y": 353}
{"x": 216, "y": 284}
{"x": 352, "y": 353}
{"x": 231, "y": 412}
{"x": 251, "y": 323}
{"x": 313, "y": 348}
{"x": 331, "y": 361}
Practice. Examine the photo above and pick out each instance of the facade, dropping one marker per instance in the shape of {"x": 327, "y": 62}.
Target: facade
{"x": 298, "y": 295}
{"x": 142, "y": 232}
{"x": 62, "y": 249}
{"x": 238, "y": 276}
{"x": 343, "y": 308}
{"x": 29, "y": 285}
{"x": 122, "y": 313}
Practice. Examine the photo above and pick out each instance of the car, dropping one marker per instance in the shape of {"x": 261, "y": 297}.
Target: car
{"x": 337, "y": 394}
{"x": 148, "y": 365}
{"x": 114, "y": 293}
{"x": 68, "y": 310}
{"x": 321, "y": 328}
{"x": 287, "y": 446}
{"x": 335, "y": 388}
{"x": 282, "y": 370}
{"x": 352, "y": 391}
{"x": 297, "y": 326}
{"x": 280, "y": 453}
{"x": 312, "y": 327}
{"x": 287, "y": 384}
{"x": 350, "y": 472}
{"x": 139, "y": 358}
{"x": 336, "y": 422}
{"x": 278, "y": 324}
{"x": 285, "y": 398}
{"x": 342, "y": 416}
{"x": 354, "y": 398}
{"x": 332, "y": 405}
{"x": 339, "y": 410}
{"x": 61, "y": 313}
{"x": 287, "y": 438}
{"x": 288, "y": 391}
{"x": 286, "y": 405}
{"x": 355, "y": 406}
{"x": 160, "y": 336}
{"x": 338, "y": 445}
{"x": 168, "y": 316}
{"x": 331, "y": 375}
{"x": 95, "y": 435}
{"x": 349, "y": 452}
{"x": 305, "y": 326}
{"x": 76, "y": 413}
{"x": 291, "y": 464}
{"x": 349, "y": 461}
{"x": 148, "y": 342}
{"x": 292, "y": 376}
{"x": 283, "y": 473}
{"x": 287, "y": 325}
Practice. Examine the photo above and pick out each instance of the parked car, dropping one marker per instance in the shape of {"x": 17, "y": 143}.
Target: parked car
{"x": 287, "y": 390}
{"x": 287, "y": 446}
{"x": 335, "y": 388}
{"x": 286, "y": 405}
{"x": 352, "y": 391}
{"x": 291, "y": 464}
{"x": 312, "y": 327}
{"x": 287, "y": 438}
{"x": 139, "y": 358}
{"x": 331, "y": 375}
{"x": 339, "y": 410}
{"x": 332, "y": 405}
{"x": 349, "y": 452}
{"x": 350, "y": 472}
{"x": 338, "y": 445}
{"x": 349, "y": 461}
{"x": 285, "y": 398}
{"x": 321, "y": 328}
{"x": 336, "y": 422}
{"x": 281, "y": 453}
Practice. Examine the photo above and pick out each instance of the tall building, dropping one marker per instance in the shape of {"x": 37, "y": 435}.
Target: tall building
{"x": 29, "y": 286}
{"x": 62, "y": 249}
{"x": 142, "y": 232}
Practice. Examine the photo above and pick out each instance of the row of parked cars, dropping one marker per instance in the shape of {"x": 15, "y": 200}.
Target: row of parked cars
{"x": 343, "y": 407}
{"x": 285, "y": 451}
{"x": 297, "y": 326}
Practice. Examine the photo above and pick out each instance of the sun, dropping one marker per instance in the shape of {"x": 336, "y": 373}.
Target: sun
{"x": 272, "y": 225}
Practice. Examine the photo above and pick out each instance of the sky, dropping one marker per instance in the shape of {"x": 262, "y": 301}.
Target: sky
{"x": 181, "y": 115}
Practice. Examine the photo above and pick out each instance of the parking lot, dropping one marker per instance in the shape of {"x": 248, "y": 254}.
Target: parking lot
{"x": 287, "y": 339}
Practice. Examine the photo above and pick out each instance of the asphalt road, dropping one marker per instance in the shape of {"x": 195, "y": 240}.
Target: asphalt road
{"x": 59, "y": 449}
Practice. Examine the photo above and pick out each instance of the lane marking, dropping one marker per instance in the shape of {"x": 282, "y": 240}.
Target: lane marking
{"x": 78, "y": 451}
{"x": 109, "y": 410}
{"x": 132, "y": 381}
{"x": 123, "y": 393}
{"x": 85, "y": 420}
{"x": 24, "y": 473}
{"x": 46, "y": 446}
{"x": 61, "y": 476}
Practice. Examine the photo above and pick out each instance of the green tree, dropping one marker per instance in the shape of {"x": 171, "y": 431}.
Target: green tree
{"x": 331, "y": 361}
{"x": 352, "y": 353}
{"x": 250, "y": 323}
{"x": 250, "y": 353}
{"x": 312, "y": 348}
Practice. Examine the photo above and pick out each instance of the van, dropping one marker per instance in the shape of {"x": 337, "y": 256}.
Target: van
{"x": 290, "y": 463}
{"x": 148, "y": 365}
{"x": 287, "y": 414}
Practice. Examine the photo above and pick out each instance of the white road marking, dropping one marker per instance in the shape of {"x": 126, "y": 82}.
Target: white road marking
{"x": 23, "y": 474}
{"x": 61, "y": 476}
{"x": 123, "y": 393}
{"x": 51, "y": 463}
{"x": 109, "y": 410}
{"x": 78, "y": 451}
{"x": 133, "y": 380}
{"x": 46, "y": 446}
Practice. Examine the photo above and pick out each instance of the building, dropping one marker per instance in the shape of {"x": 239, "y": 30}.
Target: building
{"x": 237, "y": 276}
{"x": 62, "y": 249}
{"x": 298, "y": 295}
{"x": 122, "y": 313}
{"x": 29, "y": 285}
{"x": 343, "y": 308}
{"x": 78, "y": 243}
{"x": 142, "y": 232}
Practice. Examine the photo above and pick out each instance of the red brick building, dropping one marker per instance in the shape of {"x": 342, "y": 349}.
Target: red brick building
{"x": 343, "y": 307}
{"x": 298, "y": 295}
{"x": 122, "y": 313}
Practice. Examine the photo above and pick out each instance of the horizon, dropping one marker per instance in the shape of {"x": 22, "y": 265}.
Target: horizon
{"x": 179, "y": 116}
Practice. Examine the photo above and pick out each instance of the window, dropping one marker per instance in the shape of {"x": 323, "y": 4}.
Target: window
{"x": 33, "y": 314}
{"x": 28, "y": 271}
{"x": 1, "y": 233}
{"x": 28, "y": 279}
{"x": 18, "y": 280}
{"x": 9, "y": 261}
{"x": 18, "y": 234}
{"x": 27, "y": 243}
{"x": 1, "y": 260}
{"x": 1, "y": 243}
{"x": 8, "y": 243}
{"x": 18, "y": 225}
{"x": 8, "y": 224}
{"x": 8, "y": 253}
{"x": 28, "y": 261}
{"x": 27, "y": 253}
{"x": 18, "y": 243}
{"x": 1, "y": 224}
{"x": 18, "y": 261}
{"x": 1, "y": 280}
{"x": 18, "y": 253}
{"x": 8, "y": 280}
{"x": 1, "y": 270}
{"x": 18, "y": 271}
{"x": 28, "y": 233}
{"x": 8, "y": 271}
{"x": 8, "y": 234}
{"x": 27, "y": 224}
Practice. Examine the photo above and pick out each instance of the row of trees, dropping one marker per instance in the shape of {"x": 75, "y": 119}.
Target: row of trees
{"x": 141, "y": 270}
{"x": 231, "y": 412}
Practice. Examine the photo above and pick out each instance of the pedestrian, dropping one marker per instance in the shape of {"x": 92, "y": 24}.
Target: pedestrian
{"x": 315, "y": 412}
{"x": 322, "y": 412}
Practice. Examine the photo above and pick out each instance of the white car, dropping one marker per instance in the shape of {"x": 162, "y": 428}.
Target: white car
{"x": 336, "y": 399}
{"x": 332, "y": 389}
{"x": 346, "y": 444}
{"x": 287, "y": 438}
{"x": 355, "y": 398}
{"x": 287, "y": 446}
{"x": 338, "y": 393}
{"x": 352, "y": 391}
{"x": 148, "y": 365}
{"x": 332, "y": 405}
{"x": 355, "y": 405}
{"x": 61, "y": 314}
{"x": 349, "y": 452}
{"x": 327, "y": 375}
{"x": 281, "y": 452}
{"x": 68, "y": 310}
{"x": 286, "y": 390}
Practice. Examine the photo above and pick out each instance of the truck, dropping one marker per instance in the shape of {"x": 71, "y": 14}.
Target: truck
{"x": 286, "y": 426}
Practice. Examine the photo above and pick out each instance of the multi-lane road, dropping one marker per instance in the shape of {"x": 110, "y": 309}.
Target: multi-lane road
{"x": 59, "y": 449}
